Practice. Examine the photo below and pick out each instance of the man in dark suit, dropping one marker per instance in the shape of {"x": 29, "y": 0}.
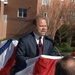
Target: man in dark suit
{"x": 28, "y": 46}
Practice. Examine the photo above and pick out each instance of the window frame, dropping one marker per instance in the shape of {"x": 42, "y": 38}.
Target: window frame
{"x": 45, "y": 2}
{"x": 22, "y": 13}
{"x": 5, "y": 18}
{"x": 72, "y": 0}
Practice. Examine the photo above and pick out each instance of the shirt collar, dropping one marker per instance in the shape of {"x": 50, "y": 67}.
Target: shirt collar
{"x": 37, "y": 37}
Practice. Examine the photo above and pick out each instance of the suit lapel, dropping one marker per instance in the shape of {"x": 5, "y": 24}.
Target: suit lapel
{"x": 34, "y": 44}
{"x": 32, "y": 39}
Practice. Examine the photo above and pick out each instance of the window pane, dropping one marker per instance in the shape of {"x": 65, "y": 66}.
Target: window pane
{"x": 72, "y": 0}
{"x": 45, "y": 14}
{"x": 24, "y": 12}
{"x": 45, "y": 2}
{"x": 20, "y": 14}
{"x": 5, "y": 18}
{"x": 20, "y": 10}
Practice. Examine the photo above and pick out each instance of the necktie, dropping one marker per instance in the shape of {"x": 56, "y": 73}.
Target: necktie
{"x": 40, "y": 46}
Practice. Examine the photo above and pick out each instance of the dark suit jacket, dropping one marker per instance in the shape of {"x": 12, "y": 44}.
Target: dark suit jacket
{"x": 28, "y": 48}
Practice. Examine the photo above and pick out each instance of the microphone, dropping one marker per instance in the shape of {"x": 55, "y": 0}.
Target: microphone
{"x": 57, "y": 52}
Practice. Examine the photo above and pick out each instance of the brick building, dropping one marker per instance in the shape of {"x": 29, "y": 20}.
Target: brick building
{"x": 16, "y": 15}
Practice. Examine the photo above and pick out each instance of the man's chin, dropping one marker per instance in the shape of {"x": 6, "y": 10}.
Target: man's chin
{"x": 43, "y": 34}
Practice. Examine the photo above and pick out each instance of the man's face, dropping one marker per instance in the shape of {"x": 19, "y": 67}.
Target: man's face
{"x": 41, "y": 27}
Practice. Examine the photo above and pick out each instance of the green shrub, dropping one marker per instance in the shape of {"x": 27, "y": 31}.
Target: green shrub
{"x": 73, "y": 44}
{"x": 65, "y": 48}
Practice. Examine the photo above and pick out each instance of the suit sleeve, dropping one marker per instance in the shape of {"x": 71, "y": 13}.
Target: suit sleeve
{"x": 20, "y": 56}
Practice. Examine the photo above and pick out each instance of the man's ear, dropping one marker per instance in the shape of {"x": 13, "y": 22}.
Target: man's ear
{"x": 34, "y": 22}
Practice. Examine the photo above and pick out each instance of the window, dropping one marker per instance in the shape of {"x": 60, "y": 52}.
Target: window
{"x": 22, "y": 13}
{"x": 5, "y": 1}
{"x": 72, "y": 0}
{"x": 45, "y": 2}
{"x": 45, "y": 14}
{"x": 5, "y": 18}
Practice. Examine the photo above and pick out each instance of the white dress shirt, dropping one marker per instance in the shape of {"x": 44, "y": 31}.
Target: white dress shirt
{"x": 37, "y": 38}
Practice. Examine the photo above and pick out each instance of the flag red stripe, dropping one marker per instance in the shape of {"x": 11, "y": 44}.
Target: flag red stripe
{"x": 10, "y": 63}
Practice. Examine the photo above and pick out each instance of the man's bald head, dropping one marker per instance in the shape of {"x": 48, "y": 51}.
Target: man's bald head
{"x": 65, "y": 66}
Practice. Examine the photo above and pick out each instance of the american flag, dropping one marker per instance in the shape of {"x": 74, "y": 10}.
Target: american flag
{"x": 7, "y": 55}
